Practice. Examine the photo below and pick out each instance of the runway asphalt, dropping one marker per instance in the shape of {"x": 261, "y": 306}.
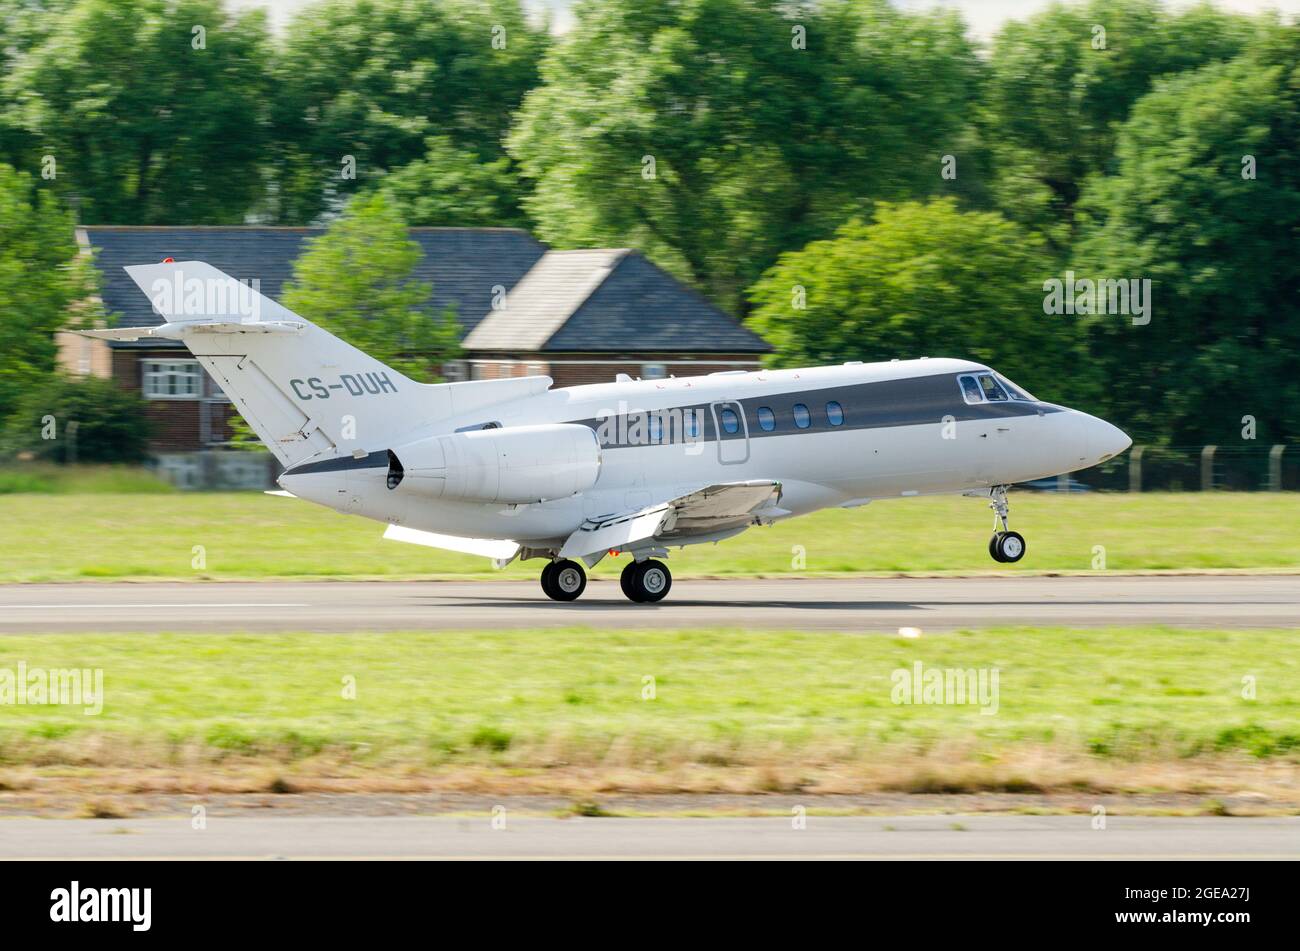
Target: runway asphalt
{"x": 866, "y": 605}
{"x": 901, "y": 837}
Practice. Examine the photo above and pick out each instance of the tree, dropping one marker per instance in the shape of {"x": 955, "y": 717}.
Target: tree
{"x": 23, "y": 25}
{"x": 362, "y": 84}
{"x": 44, "y": 286}
{"x": 1063, "y": 80}
{"x": 356, "y": 281}
{"x": 453, "y": 187}
{"x": 1205, "y": 203}
{"x": 921, "y": 280}
{"x": 82, "y": 419}
{"x": 151, "y": 109}
{"x": 715, "y": 134}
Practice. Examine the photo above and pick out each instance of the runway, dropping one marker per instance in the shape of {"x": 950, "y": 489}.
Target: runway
{"x": 862, "y": 605}
{"x": 899, "y": 837}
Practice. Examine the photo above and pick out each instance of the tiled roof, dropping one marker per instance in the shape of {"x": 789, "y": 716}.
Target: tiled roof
{"x": 608, "y": 301}
{"x": 589, "y": 301}
{"x": 462, "y": 264}
{"x": 543, "y": 301}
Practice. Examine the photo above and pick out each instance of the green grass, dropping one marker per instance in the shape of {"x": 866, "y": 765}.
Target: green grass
{"x": 521, "y": 703}
{"x": 48, "y": 479}
{"x": 250, "y": 535}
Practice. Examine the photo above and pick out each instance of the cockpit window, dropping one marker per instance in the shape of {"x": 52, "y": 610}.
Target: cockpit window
{"x": 993, "y": 391}
{"x": 971, "y": 389}
{"x": 1016, "y": 392}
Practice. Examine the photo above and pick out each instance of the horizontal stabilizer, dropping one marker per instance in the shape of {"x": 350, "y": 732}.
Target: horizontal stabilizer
{"x": 494, "y": 548}
{"x": 178, "y": 331}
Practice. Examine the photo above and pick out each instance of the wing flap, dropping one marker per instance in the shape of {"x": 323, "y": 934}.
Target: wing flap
{"x": 712, "y": 508}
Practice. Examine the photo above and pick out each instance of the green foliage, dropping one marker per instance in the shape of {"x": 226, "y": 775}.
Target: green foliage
{"x": 79, "y": 419}
{"x": 453, "y": 187}
{"x": 146, "y": 129}
{"x": 919, "y": 280}
{"x": 374, "y": 79}
{"x": 43, "y": 284}
{"x": 1217, "y": 246}
{"x": 758, "y": 147}
{"x": 1054, "y": 100}
{"x": 356, "y": 281}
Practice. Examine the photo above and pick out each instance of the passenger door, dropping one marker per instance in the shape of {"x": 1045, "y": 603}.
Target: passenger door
{"x": 733, "y": 432}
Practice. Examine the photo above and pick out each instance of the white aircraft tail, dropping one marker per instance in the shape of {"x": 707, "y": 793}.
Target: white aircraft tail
{"x": 301, "y": 389}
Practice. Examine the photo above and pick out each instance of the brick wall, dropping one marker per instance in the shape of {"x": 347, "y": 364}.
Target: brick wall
{"x": 177, "y": 424}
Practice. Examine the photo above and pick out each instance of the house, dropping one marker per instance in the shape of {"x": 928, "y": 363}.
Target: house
{"x": 577, "y": 316}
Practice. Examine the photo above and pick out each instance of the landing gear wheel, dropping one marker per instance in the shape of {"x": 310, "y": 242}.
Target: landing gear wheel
{"x": 993, "y": 546}
{"x": 1010, "y": 546}
{"x": 647, "y": 581}
{"x": 563, "y": 580}
{"x": 625, "y": 581}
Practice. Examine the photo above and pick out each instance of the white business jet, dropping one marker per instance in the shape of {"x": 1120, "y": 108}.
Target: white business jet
{"x": 516, "y": 469}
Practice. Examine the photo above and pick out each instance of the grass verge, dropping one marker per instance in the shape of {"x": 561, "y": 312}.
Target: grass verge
{"x": 243, "y": 535}
{"x": 583, "y": 712}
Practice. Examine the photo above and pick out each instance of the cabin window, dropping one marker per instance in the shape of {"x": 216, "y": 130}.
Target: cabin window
{"x": 730, "y": 422}
{"x": 766, "y": 419}
{"x": 691, "y": 423}
{"x": 970, "y": 389}
{"x": 993, "y": 391}
{"x": 656, "y": 428}
{"x": 802, "y": 418}
{"x": 834, "y": 413}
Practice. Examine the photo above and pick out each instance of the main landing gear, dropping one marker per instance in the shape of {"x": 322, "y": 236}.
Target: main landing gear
{"x": 1005, "y": 546}
{"x": 644, "y": 582}
{"x": 563, "y": 580}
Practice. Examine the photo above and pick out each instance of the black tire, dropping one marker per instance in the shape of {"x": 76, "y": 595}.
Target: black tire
{"x": 567, "y": 580}
{"x": 627, "y": 582}
{"x": 651, "y": 582}
{"x": 1011, "y": 547}
{"x": 993, "y": 546}
{"x": 546, "y": 580}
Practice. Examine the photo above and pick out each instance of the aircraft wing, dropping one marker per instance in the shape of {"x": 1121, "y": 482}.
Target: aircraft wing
{"x": 711, "y": 509}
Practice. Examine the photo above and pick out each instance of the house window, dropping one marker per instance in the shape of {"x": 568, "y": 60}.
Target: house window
{"x": 172, "y": 379}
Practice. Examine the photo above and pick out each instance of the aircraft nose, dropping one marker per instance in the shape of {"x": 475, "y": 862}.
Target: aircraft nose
{"x": 1104, "y": 440}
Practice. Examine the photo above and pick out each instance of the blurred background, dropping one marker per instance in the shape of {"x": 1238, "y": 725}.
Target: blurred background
{"x": 784, "y": 183}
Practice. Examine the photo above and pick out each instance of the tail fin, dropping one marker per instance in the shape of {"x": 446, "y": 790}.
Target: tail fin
{"x": 302, "y": 390}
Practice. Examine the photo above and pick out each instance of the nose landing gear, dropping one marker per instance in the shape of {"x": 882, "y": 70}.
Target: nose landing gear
{"x": 1005, "y": 546}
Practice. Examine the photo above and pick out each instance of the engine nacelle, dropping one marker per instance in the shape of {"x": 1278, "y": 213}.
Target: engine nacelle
{"x": 515, "y": 465}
